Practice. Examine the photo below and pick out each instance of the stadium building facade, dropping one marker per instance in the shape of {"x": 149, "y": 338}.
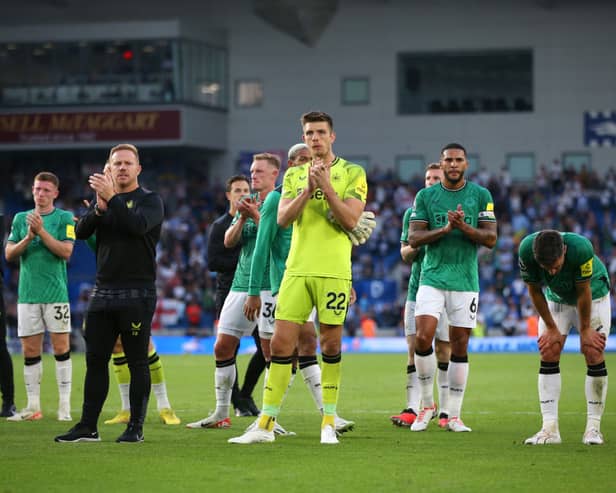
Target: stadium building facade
{"x": 519, "y": 83}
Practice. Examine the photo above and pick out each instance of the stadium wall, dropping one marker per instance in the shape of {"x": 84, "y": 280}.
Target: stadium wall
{"x": 572, "y": 43}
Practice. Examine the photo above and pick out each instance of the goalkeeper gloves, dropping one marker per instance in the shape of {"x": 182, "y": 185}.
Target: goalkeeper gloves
{"x": 362, "y": 230}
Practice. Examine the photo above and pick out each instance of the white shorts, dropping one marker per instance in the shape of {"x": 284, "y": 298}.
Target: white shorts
{"x": 313, "y": 316}
{"x": 233, "y": 321}
{"x": 459, "y": 306}
{"x": 442, "y": 328}
{"x": 34, "y": 318}
{"x": 566, "y": 316}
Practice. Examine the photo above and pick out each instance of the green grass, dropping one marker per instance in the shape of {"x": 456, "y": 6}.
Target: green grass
{"x": 500, "y": 405}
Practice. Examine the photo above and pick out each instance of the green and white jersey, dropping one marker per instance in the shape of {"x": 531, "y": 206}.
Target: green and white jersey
{"x": 416, "y": 264}
{"x": 320, "y": 248}
{"x": 42, "y": 274}
{"x": 451, "y": 261}
{"x": 580, "y": 264}
{"x": 241, "y": 279}
{"x": 273, "y": 242}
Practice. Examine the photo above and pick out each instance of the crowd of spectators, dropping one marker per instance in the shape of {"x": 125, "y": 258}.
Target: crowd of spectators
{"x": 565, "y": 199}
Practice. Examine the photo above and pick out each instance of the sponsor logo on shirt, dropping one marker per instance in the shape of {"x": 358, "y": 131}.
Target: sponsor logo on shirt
{"x": 586, "y": 269}
{"x": 70, "y": 231}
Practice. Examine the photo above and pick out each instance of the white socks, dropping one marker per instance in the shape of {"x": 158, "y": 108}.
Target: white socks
{"x": 223, "y": 380}
{"x": 458, "y": 375}
{"x": 426, "y": 366}
{"x": 32, "y": 379}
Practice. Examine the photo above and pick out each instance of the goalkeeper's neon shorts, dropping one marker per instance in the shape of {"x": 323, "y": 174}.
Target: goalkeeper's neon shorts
{"x": 299, "y": 294}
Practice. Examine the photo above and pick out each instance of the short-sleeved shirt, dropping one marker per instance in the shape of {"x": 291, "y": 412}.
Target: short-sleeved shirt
{"x": 319, "y": 247}
{"x": 272, "y": 242}
{"x": 581, "y": 264}
{"x": 451, "y": 262}
{"x": 42, "y": 274}
{"x": 416, "y": 264}
{"x": 241, "y": 278}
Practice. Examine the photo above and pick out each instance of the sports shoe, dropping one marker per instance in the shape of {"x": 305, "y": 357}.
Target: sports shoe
{"x": 26, "y": 415}
{"x": 456, "y": 424}
{"x": 281, "y": 432}
{"x": 252, "y": 406}
{"x": 423, "y": 419}
{"x": 121, "y": 418}
{"x": 405, "y": 419}
{"x": 343, "y": 425}
{"x": 79, "y": 433}
{"x": 443, "y": 419}
{"x": 328, "y": 435}
{"x": 592, "y": 436}
{"x": 8, "y": 410}
{"x": 132, "y": 434}
{"x": 168, "y": 417}
{"x": 544, "y": 437}
{"x": 211, "y": 422}
{"x": 242, "y": 412}
{"x": 254, "y": 435}
{"x": 64, "y": 413}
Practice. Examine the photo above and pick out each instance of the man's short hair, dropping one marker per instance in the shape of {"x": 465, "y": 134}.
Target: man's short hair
{"x": 48, "y": 176}
{"x": 294, "y": 150}
{"x": 270, "y": 158}
{"x": 317, "y": 116}
{"x": 454, "y": 145}
{"x": 548, "y": 246}
{"x": 433, "y": 166}
{"x": 235, "y": 178}
{"x": 124, "y": 147}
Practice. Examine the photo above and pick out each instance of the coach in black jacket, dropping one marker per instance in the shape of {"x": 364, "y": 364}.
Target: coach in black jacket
{"x": 127, "y": 222}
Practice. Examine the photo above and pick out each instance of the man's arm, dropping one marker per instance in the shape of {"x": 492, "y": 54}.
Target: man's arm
{"x": 484, "y": 234}
{"x": 147, "y": 214}
{"x": 16, "y": 246}
{"x": 219, "y": 258}
{"x": 60, "y": 248}
{"x": 541, "y": 305}
{"x": 289, "y": 209}
{"x": 408, "y": 253}
{"x": 346, "y": 212}
{"x": 87, "y": 223}
{"x": 551, "y": 341}
{"x": 233, "y": 235}
{"x": 419, "y": 234}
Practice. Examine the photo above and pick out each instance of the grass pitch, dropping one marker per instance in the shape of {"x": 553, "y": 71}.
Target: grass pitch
{"x": 501, "y": 406}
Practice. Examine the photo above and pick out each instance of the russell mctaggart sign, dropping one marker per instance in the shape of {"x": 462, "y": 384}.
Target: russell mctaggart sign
{"x": 49, "y": 128}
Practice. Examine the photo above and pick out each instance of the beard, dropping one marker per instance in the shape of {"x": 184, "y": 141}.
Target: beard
{"x": 454, "y": 181}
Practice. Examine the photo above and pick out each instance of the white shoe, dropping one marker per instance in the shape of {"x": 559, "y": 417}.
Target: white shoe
{"x": 423, "y": 419}
{"x": 343, "y": 425}
{"x": 592, "y": 436}
{"x": 64, "y": 413}
{"x": 456, "y": 424}
{"x": 256, "y": 435}
{"x": 212, "y": 421}
{"x": 280, "y": 431}
{"x": 544, "y": 437}
{"x": 328, "y": 435}
{"x": 26, "y": 415}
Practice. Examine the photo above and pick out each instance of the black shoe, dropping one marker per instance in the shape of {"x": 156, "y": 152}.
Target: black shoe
{"x": 252, "y": 406}
{"x": 132, "y": 434}
{"x": 8, "y": 410}
{"x": 242, "y": 411}
{"x": 79, "y": 433}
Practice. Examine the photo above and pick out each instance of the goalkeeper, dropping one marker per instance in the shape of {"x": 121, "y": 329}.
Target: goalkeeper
{"x": 318, "y": 270}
